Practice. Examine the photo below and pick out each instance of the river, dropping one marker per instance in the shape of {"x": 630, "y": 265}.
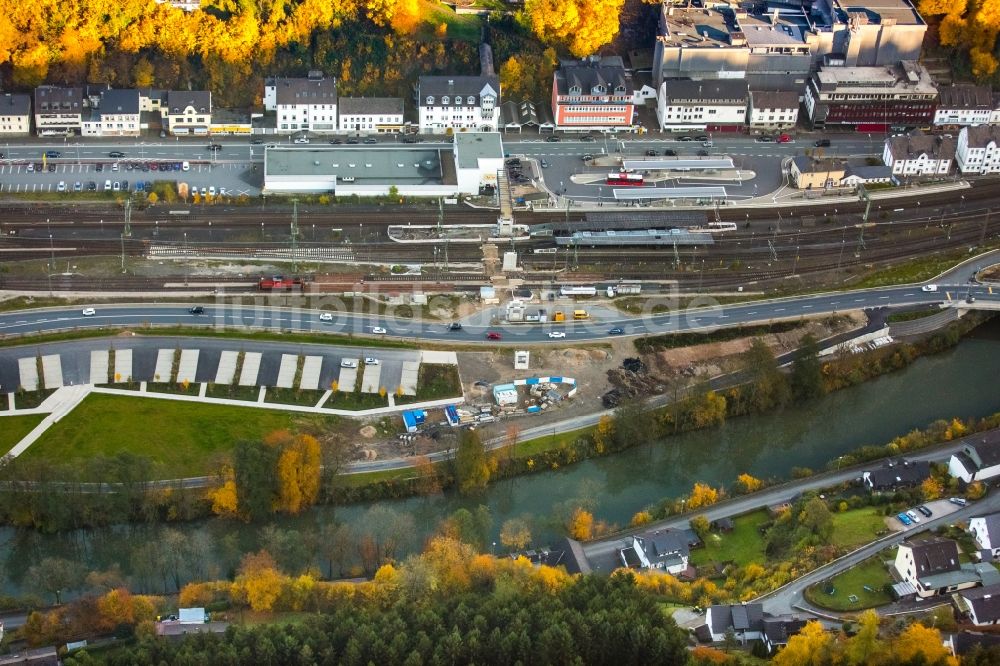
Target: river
{"x": 961, "y": 382}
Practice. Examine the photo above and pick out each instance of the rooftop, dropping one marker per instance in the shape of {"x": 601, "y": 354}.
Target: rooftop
{"x": 370, "y": 106}
{"x": 986, "y": 447}
{"x": 965, "y": 96}
{"x": 806, "y": 164}
{"x": 679, "y": 91}
{"x": 915, "y": 145}
{"x": 934, "y": 556}
{"x": 774, "y": 99}
{"x": 451, "y": 85}
{"x": 739, "y": 617}
{"x": 878, "y": 11}
{"x": 178, "y": 100}
{"x": 391, "y": 165}
{"x": 595, "y": 75}
{"x": 117, "y": 101}
{"x": 700, "y": 27}
{"x": 15, "y": 105}
{"x": 980, "y": 136}
{"x": 905, "y": 75}
{"x": 56, "y": 98}
{"x": 311, "y": 90}
{"x": 470, "y": 147}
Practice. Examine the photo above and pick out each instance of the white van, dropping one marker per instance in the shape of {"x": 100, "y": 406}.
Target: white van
{"x": 349, "y": 363}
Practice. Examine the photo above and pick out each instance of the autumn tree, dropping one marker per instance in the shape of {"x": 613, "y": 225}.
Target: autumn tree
{"x": 298, "y": 471}
{"x": 641, "y": 518}
{"x": 920, "y": 644}
{"x": 701, "y": 495}
{"x": 813, "y": 646}
{"x": 258, "y": 582}
{"x": 580, "y": 525}
{"x": 864, "y": 646}
{"x": 701, "y": 526}
{"x": 581, "y": 26}
{"x": 515, "y": 533}
{"x": 472, "y": 469}
{"x": 604, "y": 433}
{"x": 223, "y": 497}
{"x": 807, "y": 371}
{"x": 471, "y": 527}
{"x": 746, "y": 483}
{"x": 255, "y": 478}
{"x": 931, "y": 489}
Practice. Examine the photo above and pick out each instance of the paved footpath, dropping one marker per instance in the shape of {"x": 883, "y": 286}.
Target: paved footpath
{"x": 59, "y": 404}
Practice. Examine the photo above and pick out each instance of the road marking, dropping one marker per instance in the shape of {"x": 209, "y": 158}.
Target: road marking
{"x": 907, "y": 294}
{"x": 859, "y": 300}
{"x": 779, "y": 309}
{"x": 883, "y": 298}
{"x": 806, "y": 306}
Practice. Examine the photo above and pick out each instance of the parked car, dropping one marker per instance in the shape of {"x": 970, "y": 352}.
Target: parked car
{"x": 544, "y": 164}
{"x": 371, "y": 360}
{"x": 301, "y": 139}
{"x": 116, "y": 186}
{"x": 957, "y": 500}
{"x": 669, "y": 152}
{"x": 185, "y": 166}
{"x": 903, "y": 518}
{"x": 370, "y": 140}
{"x": 650, "y": 153}
{"x": 348, "y": 363}
{"x": 107, "y": 186}
{"x": 553, "y": 139}
{"x": 924, "y": 510}
{"x": 588, "y": 157}
{"x": 61, "y": 187}
{"x": 256, "y": 142}
{"x": 78, "y": 186}
{"x": 588, "y": 138}
{"x": 913, "y": 516}
{"x": 784, "y": 138}
{"x": 211, "y": 191}
{"x": 492, "y": 335}
{"x": 31, "y": 168}
{"x": 764, "y": 139}
{"x": 684, "y": 138}
{"x": 99, "y": 167}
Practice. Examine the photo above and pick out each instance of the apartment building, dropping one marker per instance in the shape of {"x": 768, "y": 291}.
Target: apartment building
{"x": 593, "y": 93}
{"x": 15, "y": 114}
{"x": 449, "y": 104}
{"x": 303, "y": 104}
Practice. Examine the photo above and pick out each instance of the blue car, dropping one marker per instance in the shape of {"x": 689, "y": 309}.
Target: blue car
{"x": 617, "y": 330}
{"x": 903, "y": 518}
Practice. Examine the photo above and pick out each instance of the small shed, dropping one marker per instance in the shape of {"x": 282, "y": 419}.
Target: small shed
{"x": 192, "y": 616}
{"x": 413, "y": 418}
{"x": 521, "y": 360}
{"x": 488, "y": 295}
{"x": 505, "y": 394}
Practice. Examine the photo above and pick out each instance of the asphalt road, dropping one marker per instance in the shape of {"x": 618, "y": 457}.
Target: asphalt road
{"x": 955, "y": 287}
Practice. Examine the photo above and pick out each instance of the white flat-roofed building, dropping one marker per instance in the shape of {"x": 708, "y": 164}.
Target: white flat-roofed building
{"x": 478, "y": 158}
{"x": 302, "y": 104}
{"x": 979, "y": 149}
{"x": 370, "y": 115}
{"x": 452, "y": 104}
{"x": 15, "y": 114}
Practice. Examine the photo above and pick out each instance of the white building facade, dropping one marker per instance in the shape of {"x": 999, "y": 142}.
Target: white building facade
{"x": 773, "y": 110}
{"x": 979, "y": 149}
{"x": 711, "y": 105}
{"x": 58, "y": 111}
{"x": 451, "y": 104}
{"x": 919, "y": 155}
{"x": 187, "y": 112}
{"x": 15, "y": 114}
{"x": 370, "y": 115}
{"x": 986, "y": 531}
{"x": 964, "y": 104}
{"x": 116, "y": 114}
{"x": 302, "y": 105}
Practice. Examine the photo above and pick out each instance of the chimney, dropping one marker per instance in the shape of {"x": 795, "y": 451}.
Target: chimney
{"x": 774, "y": 16}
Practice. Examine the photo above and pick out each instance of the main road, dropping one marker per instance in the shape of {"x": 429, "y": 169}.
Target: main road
{"x": 955, "y": 287}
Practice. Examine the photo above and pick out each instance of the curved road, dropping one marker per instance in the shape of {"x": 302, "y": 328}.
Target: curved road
{"x": 952, "y": 286}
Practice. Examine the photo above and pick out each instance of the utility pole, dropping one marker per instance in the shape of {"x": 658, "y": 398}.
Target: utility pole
{"x": 440, "y": 215}
{"x": 295, "y": 235}
{"x": 123, "y": 253}
{"x": 986, "y": 223}
{"x": 128, "y": 218}
{"x": 774, "y": 253}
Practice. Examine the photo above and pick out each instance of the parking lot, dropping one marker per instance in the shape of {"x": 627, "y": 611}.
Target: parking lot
{"x": 227, "y": 178}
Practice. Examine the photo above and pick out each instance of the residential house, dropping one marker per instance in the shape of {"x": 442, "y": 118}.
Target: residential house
{"x": 978, "y": 460}
{"x": 778, "y": 109}
{"x": 450, "y": 104}
{"x": 302, "y": 105}
{"x": 113, "y": 112}
{"x": 978, "y": 149}
{"x": 370, "y": 115}
{"x": 982, "y": 604}
{"x": 919, "y": 154}
{"x": 932, "y": 567}
{"x": 965, "y": 641}
{"x": 593, "y": 94}
{"x": 810, "y": 173}
{"x": 666, "y": 550}
{"x": 15, "y": 114}
{"x": 963, "y": 104}
{"x": 778, "y": 629}
{"x": 58, "y": 110}
{"x": 185, "y": 112}
{"x": 986, "y": 531}
{"x": 855, "y": 175}
{"x": 718, "y": 105}
{"x": 896, "y": 474}
{"x": 745, "y": 621}
{"x": 871, "y": 99}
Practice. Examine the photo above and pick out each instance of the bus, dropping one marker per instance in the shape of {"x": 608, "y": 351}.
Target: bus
{"x": 624, "y": 178}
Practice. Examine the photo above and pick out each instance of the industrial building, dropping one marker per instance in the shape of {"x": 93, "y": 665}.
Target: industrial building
{"x": 872, "y": 99}
{"x": 464, "y": 167}
{"x": 775, "y": 45}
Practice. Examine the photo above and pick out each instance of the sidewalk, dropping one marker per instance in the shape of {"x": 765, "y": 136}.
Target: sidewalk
{"x": 58, "y": 405}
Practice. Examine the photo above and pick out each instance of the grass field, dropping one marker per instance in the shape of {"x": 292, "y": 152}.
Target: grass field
{"x": 285, "y": 396}
{"x": 917, "y": 270}
{"x": 355, "y": 400}
{"x": 13, "y": 428}
{"x": 183, "y": 437}
{"x": 460, "y": 26}
{"x": 911, "y": 315}
{"x": 743, "y": 545}
{"x": 870, "y": 572}
{"x": 853, "y": 528}
{"x": 435, "y": 381}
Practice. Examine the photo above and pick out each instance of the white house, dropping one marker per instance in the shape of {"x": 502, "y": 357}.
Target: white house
{"x": 979, "y": 149}
{"x": 983, "y": 604}
{"x": 978, "y": 460}
{"x": 919, "y": 154}
{"x": 478, "y": 159}
{"x": 932, "y": 567}
{"x": 452, "y": 104}
{"x": 666, "y": 550}
{"x": 986, "y": 531}
{"x": 114, "y": 113}
{"x": 186, "y": 112}
{"x": 302, "y": 105}
{"x": 964, "y": 104}
{"x": 15, "y": 114}
{"x": 370, "y": 115}
{"x": 711, "y": 105}
{"x": 58, "y": 111}
{"x": 746, "y": 621}
{"x": 773, "y": 109}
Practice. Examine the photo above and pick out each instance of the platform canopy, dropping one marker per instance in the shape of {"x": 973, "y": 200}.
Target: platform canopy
{"x": 677, "y": 164}
{"x": 637, "y": 193}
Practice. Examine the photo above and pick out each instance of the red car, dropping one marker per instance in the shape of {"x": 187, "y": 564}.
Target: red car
{"x": 493, "y": 336}
{"x": 785, "y": 138}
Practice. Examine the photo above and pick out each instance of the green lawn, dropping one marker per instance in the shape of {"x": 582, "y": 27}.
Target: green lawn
{"x": 183, "y": 437}
{"x": 743, "y": 545}
{"x": 13, "y": 428}
{"x": 355, "y": 400}
{"x": 285, "y": 396}
{"x": 435, "y": 381}
{"x": 916, "y": 270}
{"x": 233, "y": 392}
{"x": 460, "y": 26}
{"x": 912, "y": 315}
{"x": 860, "y": 526}
{"x": 532, "y": 447}
{"x": 31, "y": 399}
{"x": 870, "y": 572}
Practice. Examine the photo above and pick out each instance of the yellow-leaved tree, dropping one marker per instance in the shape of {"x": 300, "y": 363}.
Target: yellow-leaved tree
{"x": 702, "y": 494}
{"x": 582, "y": 26}
{"x": 581, "y": 524}
{"x": 813, "y": 646}
{"x": 299, "y": 474}
{"x": 259, "y": 581}
{"x": 920, "y": 644}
